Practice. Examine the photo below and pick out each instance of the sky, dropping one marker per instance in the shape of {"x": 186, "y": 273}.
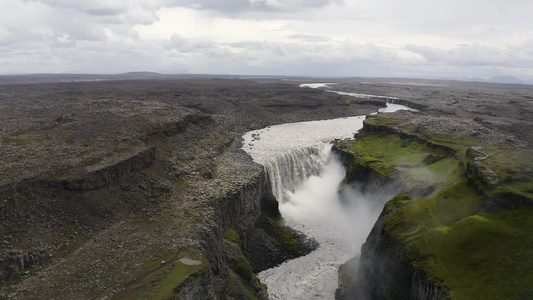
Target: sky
{"x": 378, "y": 38}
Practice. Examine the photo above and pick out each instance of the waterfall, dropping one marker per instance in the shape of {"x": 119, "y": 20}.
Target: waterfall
{"x": 338, "y": 217}
{"x": 306, "y": 178}
{"x": 287, "y": 171}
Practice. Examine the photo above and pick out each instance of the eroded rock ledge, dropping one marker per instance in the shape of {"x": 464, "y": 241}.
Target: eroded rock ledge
{"x": 143, "y": 192}
{"x": 384, "y": 271}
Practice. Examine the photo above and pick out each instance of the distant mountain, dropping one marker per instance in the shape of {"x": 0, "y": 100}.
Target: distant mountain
{"x": 143, "y": 75}
{"x": 494, "y": 79}
{"x": 505, "y": 79}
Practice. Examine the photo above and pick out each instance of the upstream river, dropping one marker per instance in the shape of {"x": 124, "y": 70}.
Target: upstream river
{"x": 306, "y": 179}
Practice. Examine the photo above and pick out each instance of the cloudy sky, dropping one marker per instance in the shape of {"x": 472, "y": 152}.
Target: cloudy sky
{"x": 378, "y": 38}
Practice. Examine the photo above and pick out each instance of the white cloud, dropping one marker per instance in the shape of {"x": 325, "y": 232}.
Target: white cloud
{"x": 296, "y": 37}
{"x": 475, "y": 54}
{"x": 309, "y": 37}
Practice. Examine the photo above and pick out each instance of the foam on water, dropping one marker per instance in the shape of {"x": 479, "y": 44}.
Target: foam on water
{"x": 305, "y": 178}
{"x": 266, "y": 144}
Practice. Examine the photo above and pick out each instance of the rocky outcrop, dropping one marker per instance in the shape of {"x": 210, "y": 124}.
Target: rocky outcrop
{"x": 15, "y": 262}
{"x": 28, "y": 204}
{"x": 407, "y": 103}
{"x": 259, "y": 240}
{"x": 481, "y": 179}
{"x": 47, "y": 207}
{"x": 199, "y": 287}
{"x": 385, "y": 272}
{"x": 181, "y": 125}
{"x": 360, "y": 172}
{"x": 369, "y": 127}
{"x": 102, "y": 176}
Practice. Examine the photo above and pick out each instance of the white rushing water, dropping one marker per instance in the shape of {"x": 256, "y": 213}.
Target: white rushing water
{"x": 358, "y": 95}
{"x": 305, "y": 177}
{"x": 316, "y": 85}
{"x": 294, "y": 151}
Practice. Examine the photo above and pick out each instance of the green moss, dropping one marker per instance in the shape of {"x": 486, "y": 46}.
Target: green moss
{"x": 238, "y": 289}
{"x": 401, "y": 158}
{"x": 281, "y": 233}
{"x": 180, "y": 184}
{"x": 93, "y": 162}
{"x": 231, "y": 235}
{"x": 23, "y": 138}
{"x": 161, "y": 280}
{"x": 480, "y": 256}
{"x": 241, "y": 266}
{"x": 468, "y": 251}
{"x": 242, "y": 283}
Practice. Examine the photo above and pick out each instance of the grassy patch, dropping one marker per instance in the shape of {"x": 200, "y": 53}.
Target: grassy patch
{"x": 511, "y": 166}
{"x": 473, "y": 254}
{"x": 242, "y": 283}
{"x": 161, "y": 280}
{"x": 180, "y": 184}
{"x": 22, "y": 138}
{"x": 231, "y": 235}
{"x": 409, "y": 160}
{"x": 281, "y": 233}
{"x": 470, "y": 252}
{"x": 240, "y": 289}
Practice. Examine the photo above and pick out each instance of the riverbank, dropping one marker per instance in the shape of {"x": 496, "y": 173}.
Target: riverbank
{"x": 448, "y": 231}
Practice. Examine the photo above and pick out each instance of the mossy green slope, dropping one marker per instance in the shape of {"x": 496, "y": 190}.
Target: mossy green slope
{"x": 467, "y": 250}
{"x": 242, "y": 283}
{"x": 160, "y": 279}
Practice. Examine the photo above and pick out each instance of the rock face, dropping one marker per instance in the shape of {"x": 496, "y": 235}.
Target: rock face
{"x": 248, "y": 207}
{"x": 361, "y": 173}
{"x": 447, "y": 199}
{"x": 100, "y": 177}
{"x": 251, "y": 214}
{"x": 14, "y": 262}
{"x": 385, "y": 272}
{"x": 382, "y": 271}
{"x": 409, "y": 104}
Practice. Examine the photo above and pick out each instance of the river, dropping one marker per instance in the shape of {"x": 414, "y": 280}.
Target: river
{"x": 306, "y": 179}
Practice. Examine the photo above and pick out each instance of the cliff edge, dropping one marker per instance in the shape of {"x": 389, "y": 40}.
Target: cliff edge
{"x": 449, "y": 230}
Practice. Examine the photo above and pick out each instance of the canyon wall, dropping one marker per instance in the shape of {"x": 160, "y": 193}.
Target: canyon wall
{"x": 383, "y": 270}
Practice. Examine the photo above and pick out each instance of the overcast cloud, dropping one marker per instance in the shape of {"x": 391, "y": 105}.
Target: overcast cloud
{"x": 415, "y": 38}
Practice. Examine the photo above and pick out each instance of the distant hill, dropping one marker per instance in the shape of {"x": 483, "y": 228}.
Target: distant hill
{"x": 140, "y": 75}
{"x": 494, "y": 79}
{"x": 505, "y": 79}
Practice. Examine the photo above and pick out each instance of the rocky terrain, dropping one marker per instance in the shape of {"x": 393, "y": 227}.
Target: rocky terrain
{"x": 103, "y": 179}
{"x": 464, "y": 199}
{"x": 134, "y": 185}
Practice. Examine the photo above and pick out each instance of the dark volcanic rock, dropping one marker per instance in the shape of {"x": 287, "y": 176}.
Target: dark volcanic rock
{"x": 385, "y": 272}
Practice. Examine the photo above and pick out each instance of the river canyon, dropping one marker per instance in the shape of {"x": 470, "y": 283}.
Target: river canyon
{"x": 306, "y": 178}
{"x": 181, "y": 186}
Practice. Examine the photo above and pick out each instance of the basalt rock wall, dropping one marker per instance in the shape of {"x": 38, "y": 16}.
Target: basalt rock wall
{"x": 252, "y": 212}
{"x": 385, "y": 272}
{"x": 407, "y": 103}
